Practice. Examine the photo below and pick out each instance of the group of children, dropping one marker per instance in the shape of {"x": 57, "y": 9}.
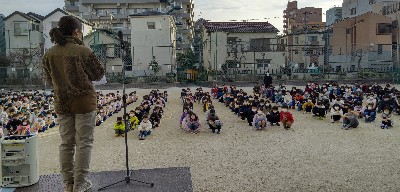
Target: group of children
{"x": 26, "y": 112}
{"x": 254, "y": 108}
{"x": 189, "y": 120}
{"x": 145, "y": 117}
{"x": 111, "y": 103}
{"x": 345, "y": 103}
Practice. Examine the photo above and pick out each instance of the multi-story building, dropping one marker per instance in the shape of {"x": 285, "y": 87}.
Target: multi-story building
{"x": 289, "y": 15}
{"x": 303, "y": 28}
{"x": 333, "y": 15}
{"x": 114, "y": 15}
{"x": 352, "y": 8}
{"x": 307, "y": 49}
{"x": 153, "y": 40}
{"x": 241, "y": 47}
{"x": 2, "y": 36}
{"x": 50, "y": 21}
{"x": 364, "y": 41}
{"x": 24, "y": 41}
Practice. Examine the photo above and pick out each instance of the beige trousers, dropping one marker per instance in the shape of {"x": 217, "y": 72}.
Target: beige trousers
{"x": 76, "y": 130}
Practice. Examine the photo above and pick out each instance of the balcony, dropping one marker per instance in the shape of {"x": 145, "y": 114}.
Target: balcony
{"x": 72, "y": 8}
{"x": 185, "y": 31}
{"x": 183, "y": 15}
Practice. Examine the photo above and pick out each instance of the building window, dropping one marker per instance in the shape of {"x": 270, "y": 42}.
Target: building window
{"x": 260, "y": 45}
{"x": 232, "y": 64}
{"x": 384, "y": 29}
{"x": 312, "y": 38}
{"x": 296, "y": 40}
{"x": 151, "y": 25}
{"x": 263, "y": 63}
{"x": 21, "y": 28}
{"x": 353, "y": 11}
{"x": 231, "y": 40}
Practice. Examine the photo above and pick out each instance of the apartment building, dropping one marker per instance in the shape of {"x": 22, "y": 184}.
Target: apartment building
{"x": 289, "y": 15}
{"x": 114, "y": 15}
{"x": 364, "y": 41}
{"x": 2, "y": 36}
{"x": 352, "y": 8}
{"x": 241, "y": 47}
{"x": 153, "y": 39}
{"x": 333, "y": 15}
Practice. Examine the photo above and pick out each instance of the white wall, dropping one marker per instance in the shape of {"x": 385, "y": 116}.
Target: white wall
{"x": 215, "y": 53}
{"x": 47, "y": 27}
{"x": 13, "y": 41}
{"x": 146, "y": 43}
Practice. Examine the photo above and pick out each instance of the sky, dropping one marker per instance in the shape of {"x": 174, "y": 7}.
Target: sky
{"x": 214, "y": 10}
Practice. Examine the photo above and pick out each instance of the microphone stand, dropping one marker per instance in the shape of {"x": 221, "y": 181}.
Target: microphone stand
{"x": 127, "y": 178}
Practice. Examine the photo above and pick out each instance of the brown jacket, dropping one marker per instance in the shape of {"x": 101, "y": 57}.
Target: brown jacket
{"x": 71, "y": 69}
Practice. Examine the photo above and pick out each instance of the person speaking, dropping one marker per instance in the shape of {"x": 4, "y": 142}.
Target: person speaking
{"x": 71, "y": 67}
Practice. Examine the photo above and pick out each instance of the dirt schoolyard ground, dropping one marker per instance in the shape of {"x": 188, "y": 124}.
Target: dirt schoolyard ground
{"x": 315, "y": 155}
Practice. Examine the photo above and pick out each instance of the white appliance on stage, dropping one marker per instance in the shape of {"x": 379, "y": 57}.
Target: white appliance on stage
{"x": 19, "y": 161}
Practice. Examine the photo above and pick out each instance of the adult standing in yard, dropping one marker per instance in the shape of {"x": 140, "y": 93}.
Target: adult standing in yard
{"x": 267, "y": 80}
{"x": 71, "y": 67}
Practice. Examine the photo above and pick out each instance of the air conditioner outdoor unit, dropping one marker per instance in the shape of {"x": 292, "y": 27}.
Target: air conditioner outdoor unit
{"x": 118, "y": 4}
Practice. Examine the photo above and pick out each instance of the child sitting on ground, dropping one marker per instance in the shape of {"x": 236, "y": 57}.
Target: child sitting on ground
{"x": 308, "y": 106}
{"x": 350, "y": 120}
{"x": 24, "y": 128}
{"x": 145, "y": 128}
{"x": 336, "y": 113}
{"x": 119, "y": 127}
{"x": 133, "y": 119}
{"x": 214, "y": 122}
{"x": 386, "y": 118}
{"x": 260, "y": 120}
{"x": 193, "y": 123}
{"x": 286, "y": 118}
{"x": 369, "y": 113}
{"x": 274, "y": 116}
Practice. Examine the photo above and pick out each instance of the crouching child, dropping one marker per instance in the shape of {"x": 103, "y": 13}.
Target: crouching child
{"x": 286, "y": 118}
{"x": 145, "y": 128}
{"x": 119, "y": 127}
{"x": 350, "y": 120}
{"x": 260, "y": 120}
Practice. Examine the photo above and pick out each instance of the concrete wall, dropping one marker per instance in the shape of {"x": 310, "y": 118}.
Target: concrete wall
{"x": 215, "y": 51}
{"x": 147, "y": 43}
{"x": 362, "y": 35}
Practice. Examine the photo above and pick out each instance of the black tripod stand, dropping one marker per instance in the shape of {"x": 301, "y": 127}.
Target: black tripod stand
{"x": 127, "y": 178}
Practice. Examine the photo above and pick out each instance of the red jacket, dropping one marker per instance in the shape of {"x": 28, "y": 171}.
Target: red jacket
{"x": 288, "y": 116}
